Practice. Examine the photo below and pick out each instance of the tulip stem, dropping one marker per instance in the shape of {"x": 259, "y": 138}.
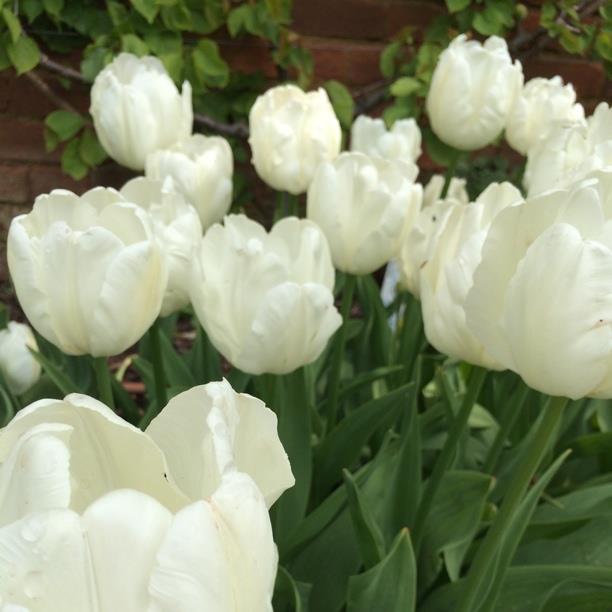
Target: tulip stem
{"x": 333, "y": 386}
{"x": 523, "y": 474}
{"x": 449, "y": 174}
{"x": 446, "y": 456}
{"x": 103, "y": 379}
{"x": 158, "y": 365}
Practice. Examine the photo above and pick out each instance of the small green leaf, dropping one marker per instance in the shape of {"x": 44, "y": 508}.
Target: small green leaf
{"x": 12, "y": 23}
{"x": 90, "y": 149}
{"x": 457, "y": 5}
{"x": 240, "y": 19}
{"x": 342, "y": 101}
{"x": 53, "y": 7}
{"x": 405, "y": 86}
{"x": 387, "y": 59}
{"x": 147, "y": 8}
{"x": 72, "y": 164}
{"x": 210, "y": 67}
{"x": 24, "y": 54}
{"x": 64, "y": 124}
{"x": 51, "y": 140}
{"x": 439, "y": 151}
{"x": 130, "y": 43}
{"x": 94, "y": 59}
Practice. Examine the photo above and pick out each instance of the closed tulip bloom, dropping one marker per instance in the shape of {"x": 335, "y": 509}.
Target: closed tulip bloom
{"x": 19, "y": 368}
{"x": 177, "y": 227}
{"x": 363, "y": 205}
{"x": 542, "y": 105}
{"x": 201, "y": 168}
{"x": 291, "y": 132}
{"x": 98, "y": 515}
{"x": 88, "y": 271}
{"x": 541, "y": 301}
{"x": 447, "y": 276}
{"x": 265, "y": 299}
{"x": 137, "y": 109}
{"x": 402, "y": 142}
{"x": 473, "y": 89}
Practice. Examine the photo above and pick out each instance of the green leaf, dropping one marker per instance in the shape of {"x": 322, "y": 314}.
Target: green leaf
{"x": 342, "y": 101}
{"x": 53, "y": 7}
{"x": 130, "y": 43}
{"x": 90, "y": 149}
{"x": 487, "y": 23}
{"x": 64, "y": 124}
{"x": 31, "y": 9}
{"x": 51, "y": 140}
{"x": 94, "y": 59}
{"x": 210, "y": 67}
{"x": 406, "y": 86}
{"x": 369, "y": 537}
{"x": 289, "y": 592}
{"x": 388, "y": 586}
{"x": 240, "y": 19}
{"x": 603, "y": 45}
{"x": 12, "y": 23}
{"x": 457, "y": 5}
{"x": 63, "y": 383}
{"x": 72, "y": 164}
{"x": 439, "y": 152}
{"x": 147, "y": 8}
{"x": 388, "y": 57}
{"x": 24, "y": 54}
{"x": 176, "y": 369}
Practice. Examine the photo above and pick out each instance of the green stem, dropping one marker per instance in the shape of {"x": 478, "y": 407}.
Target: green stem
{"x": 158, "y": 366}
{"x": 104, "y": 382}
{"x": 336, "y": 365}
{"x": 506, "y": 426}
{"x": 449, "y": 174}
{"x": 446, "y": 456}
{"x": 519, "y": 483}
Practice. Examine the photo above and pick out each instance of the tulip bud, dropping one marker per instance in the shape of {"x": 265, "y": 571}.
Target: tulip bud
{"x": 542, "y": 105}
{"x": 19, "y": 368}
{"x": 87, "y": 270}
{"x": 201, "y": 168}
{"x": 137, "y": 109}
{"x": 178, "y": 230}
{"x": 473, "y": 88}
{"x": 291, "y": 133}
{"x": 265, "y": 299}
{"x": 402, "y": 142}
{"x": 363, "y": 205}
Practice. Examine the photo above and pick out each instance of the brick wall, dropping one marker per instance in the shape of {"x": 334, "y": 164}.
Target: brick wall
{"x": 345, "y": 38}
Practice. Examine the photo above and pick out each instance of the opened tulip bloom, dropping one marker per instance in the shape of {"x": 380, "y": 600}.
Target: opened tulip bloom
{"x": 363, "y": 205}
{"x": 177, "y": 227}
{"x": 541, "y": 301}
{"x": 402, "y": 142}
{"x": 137, "y": 109}
{"x": 447, "y": 275}
{"x": 265, "y": 299}
{"x": 88, "y": 271}
{"x": 201, "y": 168}
{"x": 19, "y": 368}
{"x": 97, "y": 515}
{"x": 291, "y": 132}
{"x": 473, "y": 89}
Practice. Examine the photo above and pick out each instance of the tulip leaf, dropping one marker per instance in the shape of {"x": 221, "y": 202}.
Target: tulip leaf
{"x": 289, "y": 595}
{"x": 388, "y": 586}
{"x": 177, "y": 372}
{"x": 63, "y": 383}
{"x": 7, "y": 407}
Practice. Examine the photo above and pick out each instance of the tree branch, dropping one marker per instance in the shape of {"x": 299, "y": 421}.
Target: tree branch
{"x": 42, "y": 86}
{"x": 65, "y": 71}
{"x": 238, "y": 129}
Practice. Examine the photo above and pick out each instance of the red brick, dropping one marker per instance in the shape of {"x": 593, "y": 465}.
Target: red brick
{"x": 248, "y": 55}
{"x": 111, "y": 175}
{"x": 46, "y": 177}
{"x": 14, "y": 183}
{"x": 22, "y": 139}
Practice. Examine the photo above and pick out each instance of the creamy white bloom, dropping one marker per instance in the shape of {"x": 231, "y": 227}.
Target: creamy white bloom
{"x": 87, "y": 270}
{"x": 136, "y": 109}
{"x": 402, "y": 142}
{"x": 19, "y": 368}
{"x": 265, "y": 299}
{"x": 541, "y": 301}
{"x": 447, "y": 276}
{"x": 291, "y": 132}
{"x": 542, "y": 105}
{"x": 432, "y": 192}
{"x": 473, "y": 88}
{"x": 178, "y": 229}
{"x": 98, "y": 515}
{"x": 363, "y": 205}
{"x": 570, "y": 153}
{"x": 201, "y": 168}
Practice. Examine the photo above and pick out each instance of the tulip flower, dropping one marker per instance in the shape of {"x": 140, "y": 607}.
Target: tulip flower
{"x": 201, "y": 168}
{"x": 265, "y": 299}
{"x": 473, "y": 89}
{"x": 19, "y": 368}
{"x": 363, "y": 205}
{"x": 432, "y": 192}
{"x": 177, "y": 227}
{"x": 446, "y": 277}
{"x": 87, "y": 270}
{"x": 542, "y": 105}
{"x": 137, "y": 109}
{"x": 402, "y": 142}
{"x": 541, "y": 300}
{"x": 291, "y": 132}
{"x": 96, "y": 514}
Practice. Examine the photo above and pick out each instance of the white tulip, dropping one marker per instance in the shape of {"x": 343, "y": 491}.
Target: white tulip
{"x": 432, "y": 192}
{"x": 265, "y": 299}
{"x": 291, "y": 132}
{"x": 136, "y": 109}
{"x": 201, "y": 168}
{"x": 177, "y": 227}
{"x": 87, "y": 270}
{"x": 447, "y": 276}
{"x": 98, "y": 515}
{"x": 542, "y": 105}
{"x": 473, "y": 89}
{"x": 363, "y": 205}
{"x": 402, "y": 142}
{"x": 541, "y": 301}
{"x": 19, "y": 368}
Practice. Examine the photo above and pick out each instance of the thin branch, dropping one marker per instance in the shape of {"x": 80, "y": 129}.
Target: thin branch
{"x": 65, "y": 71}
{"x": 42, "y": 86}
{"x": 238, "y": 129}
